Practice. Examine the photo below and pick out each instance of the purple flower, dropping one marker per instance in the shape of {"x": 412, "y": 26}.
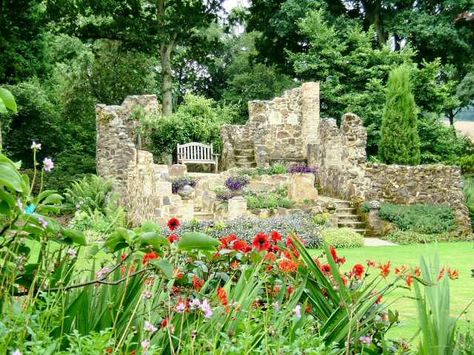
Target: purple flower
{"x": 365, "y": 340}
{"x": 72, "y": 253}
{"x": 48, "y": 164}
{"x": 236, "y": 183}
{"x": 181, "y": 307}
{"x": 43, "y": 222}
{"x": 276, "y": 306}
{"x": 300, "y": 169}
{"x": 150, "y": 327}
{"x": 35, "y": 146}
{"x": 195, "y": 304}
{"x": 103, "y": 273}
{"x": 297, "y": 311}
{"x": 206, "y": 308}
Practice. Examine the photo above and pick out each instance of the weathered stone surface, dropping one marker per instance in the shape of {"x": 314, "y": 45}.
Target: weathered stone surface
{"x": 237, "y": 207}
{"x": 302, "y": 188}
{"x": 177, "y": 170}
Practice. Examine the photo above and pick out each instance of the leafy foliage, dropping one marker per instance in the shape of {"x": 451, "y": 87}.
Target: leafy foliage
{"x": 400, "y": 142}
{"x": 270, "y": 200}
{"x": 410, "y": 237}
{"x": 426, "y": 219}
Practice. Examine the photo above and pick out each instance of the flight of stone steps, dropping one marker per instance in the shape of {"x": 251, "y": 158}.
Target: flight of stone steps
{"x": 203, "y": 215}
{"x": 245, "y": 156}
{"x": 347, "y": 217}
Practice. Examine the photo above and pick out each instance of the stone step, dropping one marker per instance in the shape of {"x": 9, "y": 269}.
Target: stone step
{"x": 348, "y": 219}
{"x": 346, "y": 210}
{"x": 360, "y": 231}
{"x": 244, "y": 151}
{"x": 343, "y": 204}
{"x": 342, "y": 215}
{"x": 246, "y": 164}
{"x": 351, "y": 224}
{"x": 245, "y": 158}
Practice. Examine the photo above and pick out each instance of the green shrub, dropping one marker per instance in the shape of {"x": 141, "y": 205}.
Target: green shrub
{"x": 342, "y": 238}
{"x": 197, "y": 120}
{"x": 426, "y": 219}
{"x": 410, "y": 237}
{"x": 467, "y": 164}
{"x": 321, "y": 219}
{"x": 275, "y": 169}
{"x": 469, "y": 194}
{"x": 268, "y": 201}
{"x": 89, "y": 194}
{"x": 400, "y": 142}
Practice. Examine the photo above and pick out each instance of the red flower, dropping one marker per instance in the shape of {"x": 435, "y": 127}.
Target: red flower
{"x": 370, "y": 263}
{"x": 149, "y": 256}
{"x": 417, "y": 271}
{"x": 358, "y": 270}
{"x": 242, "y": 246}
{"x": 164, "y": 323}
{"x": 326, "y": 268}
{"x": 453, "y": 274}
{"x": 344, "y": 279}
{"x": 197, "y": 283}
{"x": 287, "y": 265}
{"x": 401, "y": 270}
{"x": 222, "y": 295}
{"x": 274, "y": 249}
{"x": 385, "y": 269}
{"x": 173, "y": 223}
{"x": 227, "y": 241}
{"x": 290, "y": 290}
{"x": 271, "y": 257}
{"x": 379, "y": 299}
{"x": 178, "y": 274}
{"x": 261, "y": 242}
{"x": 337, "y": 259}
{"x": 441, "y": 274}
{"x": 409, "y": 280}
{"x": 275, "y": 236}
{"x": 173, "y": 238}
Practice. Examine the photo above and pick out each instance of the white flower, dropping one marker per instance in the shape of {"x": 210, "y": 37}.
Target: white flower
{"x": 72, "y": 253}
{"x": 48, "y": 164}
{"x": 195, "y": 304}
{"x": 16, "y": 352}
{"x": 147, "y": 294}
{"x": 35, "y": 146}
{"x": 150, "y": 327}
{"x": 297, "y": 311}
{"x": 276, "y": 306}
{"x": 181, "y": 307}
{"x": 20, "y": 205}
{"x": 43, "y": 222}
{"x": 145, "y": 344}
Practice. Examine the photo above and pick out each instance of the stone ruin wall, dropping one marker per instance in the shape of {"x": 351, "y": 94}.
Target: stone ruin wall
{"x": 142, "y": 185}
{"x": 277, "y": 130}
{"x": 345, "y": 172}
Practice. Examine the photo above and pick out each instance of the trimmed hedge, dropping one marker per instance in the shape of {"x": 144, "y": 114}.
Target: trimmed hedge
{"x": 409, "y": 237}
{"x": 425, "y": 219}
{"x": 342, "y": 238}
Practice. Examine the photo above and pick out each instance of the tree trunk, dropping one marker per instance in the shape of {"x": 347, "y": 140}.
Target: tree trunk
{"x": 166, "y": 79}
{"x": 373, "y": 9}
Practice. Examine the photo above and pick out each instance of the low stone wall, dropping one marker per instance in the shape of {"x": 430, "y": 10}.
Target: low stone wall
{"x": 432, "y": 184}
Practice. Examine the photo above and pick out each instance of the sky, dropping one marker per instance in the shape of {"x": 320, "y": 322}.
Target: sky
{"x": 230, "y": 4}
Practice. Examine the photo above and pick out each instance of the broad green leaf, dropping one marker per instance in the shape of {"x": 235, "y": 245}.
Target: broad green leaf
{"x": 72, "y": 236}
{"x": 8, "y": 100}
{"x": 152, "y": 238}
{"x": 198, "y": 241}
{"x": 3, "y": 108}
{"x": 117, "y": 240}
{"x": 164, "y": 266}
{"x": 9, "y": 177}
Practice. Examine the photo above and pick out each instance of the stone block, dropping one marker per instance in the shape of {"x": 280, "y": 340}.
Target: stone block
{"x": 177, "y": 170}
{"x": 302, "y": 188}
{"x": 237, "y": 207}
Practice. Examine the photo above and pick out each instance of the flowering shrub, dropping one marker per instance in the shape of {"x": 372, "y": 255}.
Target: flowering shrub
{"x": 299, "y": 169}
{"x": 236, "y": 183}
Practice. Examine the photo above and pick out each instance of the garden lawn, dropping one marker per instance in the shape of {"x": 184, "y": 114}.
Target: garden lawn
{"x": 459, "y": 255}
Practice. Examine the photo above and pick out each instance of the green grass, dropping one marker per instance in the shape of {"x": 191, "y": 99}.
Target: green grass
{"x": 459, "y": 255}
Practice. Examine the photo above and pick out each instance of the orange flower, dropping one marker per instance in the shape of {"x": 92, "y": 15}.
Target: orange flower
{"x": 242, "y": 246}
{"x": 197, "y": 283}
{"x": 271, "y": 257}
{"x": 149, "y": 256}
{"x": 385, "y": 269}
{"x": 409, "y": 280}
{"x": 276, "y": 290}
{"x": 222, "y": 295}
{"x": 453, "y": 274}
{"x": 226, "y": 242}
{"x": 234, "y": 265}
{"x": 417, "y": 271}
{"x": 178, "y": 274}
{"x": 287, "y": 265}
{"x": 401, "y": 270}
{"x": 441, "y": 274}
{"x": 370, "y": 263}
{"x": 326, "y": 269}
{"x": 344, "y": 279}
{"x": 337, "y": 259}
{"x": 379, "y": 299}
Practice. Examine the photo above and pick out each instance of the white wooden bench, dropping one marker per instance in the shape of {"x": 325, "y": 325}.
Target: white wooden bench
{"x": 197, "y": 153}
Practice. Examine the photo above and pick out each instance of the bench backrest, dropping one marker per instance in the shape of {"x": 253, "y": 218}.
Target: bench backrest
{"x": 195, "y": 151}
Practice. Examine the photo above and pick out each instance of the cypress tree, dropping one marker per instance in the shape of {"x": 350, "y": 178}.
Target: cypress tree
{"x": 400, "y": 143}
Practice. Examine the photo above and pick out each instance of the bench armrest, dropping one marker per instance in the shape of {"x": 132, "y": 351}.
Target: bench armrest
{"x": 216, "y": 155}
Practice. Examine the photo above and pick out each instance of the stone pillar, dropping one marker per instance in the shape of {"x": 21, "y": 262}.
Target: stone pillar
{"x": 187, "y": 210}
{"x": 374, "y": 221}
{"x": 310, "y": 113}
{"x": 237, "y": 207}
{"x": 302, "y": 187}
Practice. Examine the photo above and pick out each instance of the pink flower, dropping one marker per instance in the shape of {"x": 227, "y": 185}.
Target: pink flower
{"x": 43, "y": 222}
{"x": 195, "y": 304}
{"x": 103, "y": 273}
{"x": 206, "y": 308}
{"x": 145, "y": 344}
{"x": 297, "y": 311}
{"x": 150, "y": 327}
{"x": 276, "y": 306}
{"x": 72, "y": 253}
{"x": 181, "y": 307}
{"x": 48, "y": 164}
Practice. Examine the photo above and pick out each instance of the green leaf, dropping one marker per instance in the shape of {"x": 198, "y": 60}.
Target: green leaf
{"x": 199, "y": 241}
{"x": 117, "y": 240}
{"x": 164, "y": 266}
{"x": 152, "y": 238}
{"x": 3, "y": 108}
{"x": 72, "y": 236}
{"x": 8, "y": 100}
{"x": 9, "y": 177}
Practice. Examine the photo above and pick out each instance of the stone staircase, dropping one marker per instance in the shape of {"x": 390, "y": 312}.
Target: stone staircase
{"x": 347, "y": 217}
{"x": 245, "y": 156}
{"x": 203, "y": 215}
